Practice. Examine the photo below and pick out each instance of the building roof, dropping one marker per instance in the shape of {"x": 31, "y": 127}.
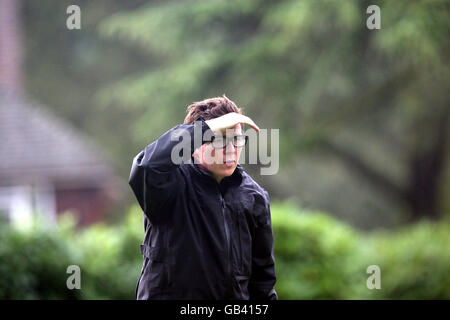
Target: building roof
{"x": 36, "y": 145}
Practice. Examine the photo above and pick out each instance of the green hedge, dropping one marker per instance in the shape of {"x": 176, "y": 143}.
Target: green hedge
{"x": 317, "y": 257}
{"x": 314, "y": 255}
{"x": 414, "y": 262}
{"x": 34, "y": 262}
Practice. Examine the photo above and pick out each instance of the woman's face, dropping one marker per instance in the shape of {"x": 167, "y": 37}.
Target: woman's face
{"x": 220, "y": 163}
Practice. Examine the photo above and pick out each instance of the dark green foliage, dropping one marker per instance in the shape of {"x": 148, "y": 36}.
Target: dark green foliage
{"x": 33, "y": 264}
{"x": 372, "y": 102}
{"x": 362, "y": 113}
{"x": 318, "y": 257}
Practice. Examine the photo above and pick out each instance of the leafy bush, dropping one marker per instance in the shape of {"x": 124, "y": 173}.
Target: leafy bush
{"x": 414, "y": 262}
{"x": 112, "y": 258}
{"x": 317, "y": 257}
{"x": 34, "y": 262}
{"x": 314, "y": 254}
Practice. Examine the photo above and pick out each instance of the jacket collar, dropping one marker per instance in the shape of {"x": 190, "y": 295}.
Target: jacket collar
{"x": 234, "y": 179}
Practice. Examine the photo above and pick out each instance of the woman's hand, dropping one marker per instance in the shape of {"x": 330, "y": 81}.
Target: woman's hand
{"x": 230, "y": 120}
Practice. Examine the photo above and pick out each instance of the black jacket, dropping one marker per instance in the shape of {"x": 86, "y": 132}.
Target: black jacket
{"x": 203, "y": 240}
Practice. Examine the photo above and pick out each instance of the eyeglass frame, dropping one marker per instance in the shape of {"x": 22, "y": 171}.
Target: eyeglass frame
{"x": 228, "y": 141}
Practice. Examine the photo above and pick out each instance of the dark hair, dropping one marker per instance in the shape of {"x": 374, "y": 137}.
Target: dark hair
{"x": 210, "y": 108}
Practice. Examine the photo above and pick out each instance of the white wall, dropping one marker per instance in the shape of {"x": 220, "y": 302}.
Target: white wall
{"x": 20, "y": 204}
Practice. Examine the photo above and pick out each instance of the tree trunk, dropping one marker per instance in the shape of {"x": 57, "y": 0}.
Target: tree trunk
{"x": 425, "y": 171}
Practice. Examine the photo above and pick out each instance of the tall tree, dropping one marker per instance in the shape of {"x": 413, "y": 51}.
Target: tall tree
{"x": 375, "y": 99}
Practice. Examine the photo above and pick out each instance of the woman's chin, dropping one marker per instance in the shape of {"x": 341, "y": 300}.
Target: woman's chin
{"x": 228, "y": 169}
{"x": 223, "y": 170}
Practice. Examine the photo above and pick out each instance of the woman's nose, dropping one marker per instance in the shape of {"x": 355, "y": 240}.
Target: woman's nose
{"x": 230, "y": 147}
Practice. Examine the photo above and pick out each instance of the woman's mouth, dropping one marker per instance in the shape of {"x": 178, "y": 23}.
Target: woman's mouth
{"x": 229, "y": 163}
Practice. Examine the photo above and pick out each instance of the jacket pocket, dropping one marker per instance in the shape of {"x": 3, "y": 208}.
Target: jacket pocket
{"x": 152, "y": 253}
{"x": 242, "y": 285}
{"x": 155, "y": 274}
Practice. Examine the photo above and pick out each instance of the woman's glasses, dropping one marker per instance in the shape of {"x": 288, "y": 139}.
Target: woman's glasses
{"x": 220, "y": 142}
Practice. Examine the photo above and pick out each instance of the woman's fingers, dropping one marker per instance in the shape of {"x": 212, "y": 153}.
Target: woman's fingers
{"x": 239, "y": 118}
{"x": 229, "y": 120}
{"x": 251, "y": 123}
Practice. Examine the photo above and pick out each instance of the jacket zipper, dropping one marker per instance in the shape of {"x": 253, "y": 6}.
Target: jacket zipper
{"x": 227, "y": 235}
{"x": 241, "y": 261}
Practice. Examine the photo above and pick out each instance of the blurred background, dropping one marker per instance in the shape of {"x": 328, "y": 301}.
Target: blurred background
{"x": 363, "y": 115}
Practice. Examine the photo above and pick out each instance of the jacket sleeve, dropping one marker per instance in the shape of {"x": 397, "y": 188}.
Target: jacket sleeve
{"x": 154, "y": 174}
{"x": 263, "y": 278}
